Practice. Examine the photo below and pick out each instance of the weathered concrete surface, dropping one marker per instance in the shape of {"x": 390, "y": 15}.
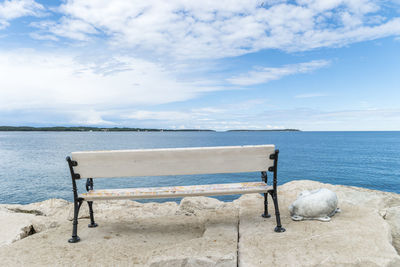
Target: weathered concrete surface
{"x": 135, "y": 234}
{"x": 14, "y": 226}
{"x": 359, "y": 236}
{"x": 204, "y": 232}
{"x": 392, "y": 216}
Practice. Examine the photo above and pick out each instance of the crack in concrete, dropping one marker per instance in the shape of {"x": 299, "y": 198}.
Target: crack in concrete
{"x": 238, "y": 240}
{"x": 34, "y": 212}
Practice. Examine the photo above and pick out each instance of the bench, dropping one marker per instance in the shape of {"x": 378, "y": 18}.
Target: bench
{"x": 173, "y": 161}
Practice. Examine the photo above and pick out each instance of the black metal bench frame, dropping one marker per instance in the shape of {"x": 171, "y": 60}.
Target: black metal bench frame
{"x": 89, "y": 186}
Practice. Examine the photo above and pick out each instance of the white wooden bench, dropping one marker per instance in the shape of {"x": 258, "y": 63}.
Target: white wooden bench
{"x": 173, "y": 161}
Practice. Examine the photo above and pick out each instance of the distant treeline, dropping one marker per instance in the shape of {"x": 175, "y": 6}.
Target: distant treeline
{"x": 93, "y": 129}
{"x": 269, "y": 130}
{"x": 118, "y": 129}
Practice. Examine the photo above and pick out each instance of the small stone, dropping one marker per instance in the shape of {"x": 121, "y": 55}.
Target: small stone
{"x": 191, "y": 205}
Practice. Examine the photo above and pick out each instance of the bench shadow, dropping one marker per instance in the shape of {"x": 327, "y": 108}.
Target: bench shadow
{"x": 164, "y": 227}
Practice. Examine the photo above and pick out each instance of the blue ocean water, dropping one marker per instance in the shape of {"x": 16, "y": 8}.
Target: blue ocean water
{"x": 33, "y": 166}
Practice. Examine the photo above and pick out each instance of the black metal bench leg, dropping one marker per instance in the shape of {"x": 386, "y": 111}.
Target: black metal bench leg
{"x": 278, "y": 227}
{"x": 75, "y": 238}
{"x": 266, "y": 214}
{"x": 92, "y": 223}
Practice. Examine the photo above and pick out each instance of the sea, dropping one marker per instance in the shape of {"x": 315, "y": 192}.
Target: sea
{"x": 33, "y": 166}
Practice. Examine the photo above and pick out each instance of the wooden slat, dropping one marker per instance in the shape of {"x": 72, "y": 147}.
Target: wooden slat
{"x": 177, "y": 191}
{"x": 175, "y": 161}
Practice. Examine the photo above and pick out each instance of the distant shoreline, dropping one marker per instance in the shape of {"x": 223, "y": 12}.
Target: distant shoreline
{"x": 269, "y": 130}
{"x": 119, "y": 129}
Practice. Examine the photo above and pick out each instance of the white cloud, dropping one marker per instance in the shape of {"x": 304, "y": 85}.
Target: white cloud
{"x": 161, "y": 43}
{"x": 217, "y": 29}
{"x": 70, "y": 28}
{"x": 377, "y": 119}
{"x": 12, "y": 9}
{"x": 32, "y": 80}
{"x": 207, "y": 110}
{"x": 219, "y": 118}
{"x": 87, "y": 117}
{"x": 158, "y": 115}
{"x": 298, "y": 118}
{"x": 264, "y": 75}
{"x": 103, "y": 90}
{"x": 38, "y": 36}
{"x": 310, "y": 95}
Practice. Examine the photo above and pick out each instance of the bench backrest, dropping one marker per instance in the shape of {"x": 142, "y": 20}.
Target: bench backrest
{"x": 173, "y": 161}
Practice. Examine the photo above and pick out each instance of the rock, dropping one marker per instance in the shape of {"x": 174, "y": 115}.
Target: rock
{"x": 51, "y": 207}
{"x": 319, "y": 204}
{"x": 215, "y": 234}
{"x": 14, "y": 226}
{"x": 45, "y": 215}
{"x": 43, "y": 224}
{"x": 83, "y": 212}
{"x": 132, "y": 233}
{"x": 191, "y": 205}
{"x": 228, "y": 261}
{"x": 392, "y": 216}
{"x": 358, "y": 236}
{"x": 124, "y": 208}
{"x": 184, "y": 262}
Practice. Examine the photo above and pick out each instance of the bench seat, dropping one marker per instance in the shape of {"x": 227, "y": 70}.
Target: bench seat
{"x": 177, "y": 191}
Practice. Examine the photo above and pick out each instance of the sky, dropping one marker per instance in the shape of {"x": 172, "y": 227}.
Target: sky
{"x": 313, "y": 65}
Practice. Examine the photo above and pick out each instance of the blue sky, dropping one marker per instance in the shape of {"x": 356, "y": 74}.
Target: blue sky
{"x": 306, "y": 64}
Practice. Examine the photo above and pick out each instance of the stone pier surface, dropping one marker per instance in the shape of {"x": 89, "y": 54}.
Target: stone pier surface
{"x": 203, "y": 231}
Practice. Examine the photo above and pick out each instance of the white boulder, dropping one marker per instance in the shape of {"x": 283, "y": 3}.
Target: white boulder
{"x": 320, "y": 204}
